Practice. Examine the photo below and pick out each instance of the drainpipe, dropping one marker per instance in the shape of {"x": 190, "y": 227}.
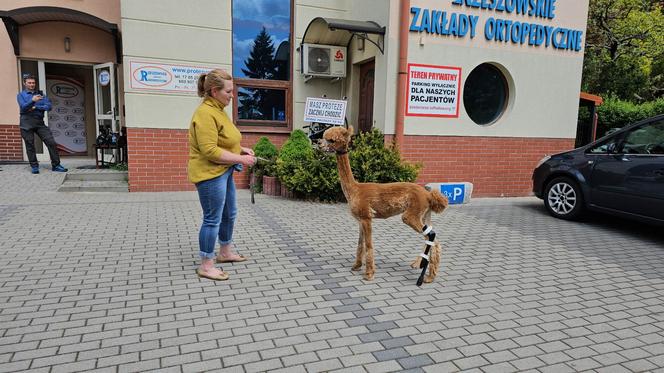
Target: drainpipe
{"x": 404, "y": 25}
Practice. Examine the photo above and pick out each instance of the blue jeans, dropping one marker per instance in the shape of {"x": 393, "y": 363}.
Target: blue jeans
{"x": 217, "y": 197}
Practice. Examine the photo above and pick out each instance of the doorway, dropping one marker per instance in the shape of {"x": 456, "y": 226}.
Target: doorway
{"x": 367, "y": 77}
{"x": 83, "y": 104}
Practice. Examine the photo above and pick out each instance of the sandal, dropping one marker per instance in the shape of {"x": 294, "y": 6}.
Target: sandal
{"x": 223, "y": 276}
{"x": 241, "y": 258}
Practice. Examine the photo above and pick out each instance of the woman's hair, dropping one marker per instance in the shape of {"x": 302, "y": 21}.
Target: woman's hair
{"x": 214, "y": 78}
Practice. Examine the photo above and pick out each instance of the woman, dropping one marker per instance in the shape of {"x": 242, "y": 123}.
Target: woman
{"x": 214, "y": 153}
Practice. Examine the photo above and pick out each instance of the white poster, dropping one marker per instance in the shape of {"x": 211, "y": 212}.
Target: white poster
{"x": 322, "y": 110}
{"x": 433, "y": 91}
{"x": 67, "y": 116}
{"x": 161, "y": 77}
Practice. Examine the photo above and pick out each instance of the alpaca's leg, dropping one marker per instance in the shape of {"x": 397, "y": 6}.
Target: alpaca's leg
{"x": 360, "y": 251}
{"x": 415, "y": 221}
{"x": 427, "y": 221}
{"x": 370, "y": 267}
{"x": 435, "y": 263}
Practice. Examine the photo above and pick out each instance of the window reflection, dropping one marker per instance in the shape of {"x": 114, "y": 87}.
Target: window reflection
{"x": 261, "y": 104}
{"x": 261, "y": 39}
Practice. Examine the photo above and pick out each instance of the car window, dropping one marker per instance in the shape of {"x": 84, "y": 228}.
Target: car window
{"x": 602, "y": 148}
{"x": 646, "y": 139}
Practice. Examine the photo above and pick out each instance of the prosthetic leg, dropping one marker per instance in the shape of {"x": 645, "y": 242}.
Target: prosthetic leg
{"x": 430, "y": 235}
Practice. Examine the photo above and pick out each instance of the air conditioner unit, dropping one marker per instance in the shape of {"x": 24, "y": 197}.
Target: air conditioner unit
{"x": 323, "y": 60}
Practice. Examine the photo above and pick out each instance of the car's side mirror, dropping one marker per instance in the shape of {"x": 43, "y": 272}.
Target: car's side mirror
{"x": 611, "y": 148}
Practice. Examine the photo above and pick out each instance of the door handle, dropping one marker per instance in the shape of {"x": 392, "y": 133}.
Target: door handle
{"x": 659, "y": 172}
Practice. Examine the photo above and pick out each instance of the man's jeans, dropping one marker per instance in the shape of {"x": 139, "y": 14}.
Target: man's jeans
{"x": 217, "y": 197}
{"x": 31, "y": 126}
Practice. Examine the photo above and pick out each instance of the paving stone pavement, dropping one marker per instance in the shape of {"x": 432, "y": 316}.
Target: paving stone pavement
{"x": 105, "y": 282}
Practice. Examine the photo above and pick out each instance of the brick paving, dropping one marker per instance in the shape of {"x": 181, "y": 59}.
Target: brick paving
{"x": 105, "y": 282}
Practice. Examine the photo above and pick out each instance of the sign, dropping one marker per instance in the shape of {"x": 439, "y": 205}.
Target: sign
{"x": 166, "y": 78}
{"x": 433, "y": 91}
{"x": 104, "y": 78}
{"x": 533, "y": 27}
{"x": 67, "y": 116}
{"x": 322, "y": 110}
{"x": 455, "y": 193}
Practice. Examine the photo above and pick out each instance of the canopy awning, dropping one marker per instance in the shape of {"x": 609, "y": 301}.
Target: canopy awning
{"x": 333, "y": 31}
{"x": 15, "y": 18}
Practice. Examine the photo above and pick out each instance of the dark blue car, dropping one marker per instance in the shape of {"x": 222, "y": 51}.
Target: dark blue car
{"x": 621, "y": 174}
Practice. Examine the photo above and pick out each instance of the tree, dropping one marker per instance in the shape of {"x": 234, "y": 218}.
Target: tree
{"x": 625, "y": 49}
{"x": 255, "y": 103}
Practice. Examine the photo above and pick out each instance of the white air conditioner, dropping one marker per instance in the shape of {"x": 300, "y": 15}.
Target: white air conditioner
{"x": 323, "y": 60}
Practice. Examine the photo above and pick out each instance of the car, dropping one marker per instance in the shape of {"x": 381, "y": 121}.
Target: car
{"x": 621, "y": 174}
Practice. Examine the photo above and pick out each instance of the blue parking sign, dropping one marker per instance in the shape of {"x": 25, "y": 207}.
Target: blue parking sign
{"x": 455, "y": 193}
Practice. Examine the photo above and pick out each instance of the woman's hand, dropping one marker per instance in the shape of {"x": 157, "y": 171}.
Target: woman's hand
{"x": 248, "y": 159}
{"x": 248, "y": 151}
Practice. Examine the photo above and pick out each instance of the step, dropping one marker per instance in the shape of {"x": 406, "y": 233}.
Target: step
{"x": 97, "y": 175}
{"x": 113, "y": 186}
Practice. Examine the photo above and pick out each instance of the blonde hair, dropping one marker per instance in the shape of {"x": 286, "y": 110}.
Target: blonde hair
{"x": 214, "y": 78}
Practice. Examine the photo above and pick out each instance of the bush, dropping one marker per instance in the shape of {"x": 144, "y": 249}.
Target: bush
{"x": 372, "y": 161}
{"x": 266, "y": 149}
{"x": 312, "y": 174}
{"x": 295, "y": 153}
{"x": 616, "y": 113}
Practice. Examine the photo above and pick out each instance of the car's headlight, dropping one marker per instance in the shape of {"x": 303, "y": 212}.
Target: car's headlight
{"x": 541, "y": 161}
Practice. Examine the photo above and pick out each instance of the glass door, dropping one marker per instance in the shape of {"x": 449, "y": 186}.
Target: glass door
{"x": 106, "y": 111}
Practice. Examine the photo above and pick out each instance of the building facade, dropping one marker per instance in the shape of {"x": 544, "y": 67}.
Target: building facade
{"x": 476, "y": 90}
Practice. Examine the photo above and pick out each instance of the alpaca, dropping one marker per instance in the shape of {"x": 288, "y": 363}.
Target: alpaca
{"x": 374, "y": 200}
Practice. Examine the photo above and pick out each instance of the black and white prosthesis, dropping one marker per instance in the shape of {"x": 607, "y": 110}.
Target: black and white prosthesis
{"x": 430, "y": 235}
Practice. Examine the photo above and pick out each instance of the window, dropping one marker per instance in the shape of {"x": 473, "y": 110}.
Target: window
{"x": 262, "y": 62}
{"x": 647, "y": 139}
{"x": 485, "y": 94}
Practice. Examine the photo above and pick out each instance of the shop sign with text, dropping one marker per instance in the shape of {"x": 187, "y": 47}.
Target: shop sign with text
{"x": 159, "y": 77}
{"x": 433, "y": 91}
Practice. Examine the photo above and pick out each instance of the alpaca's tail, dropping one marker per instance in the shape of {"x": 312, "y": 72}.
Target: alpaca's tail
{"x": 437, "y": 201}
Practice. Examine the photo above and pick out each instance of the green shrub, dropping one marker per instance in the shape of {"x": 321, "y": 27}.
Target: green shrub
{"x": 616, "y": 113}
{"x": 372, "y": 161}
{"x": 295, "y": 152}
{"x": 266, "y": 149}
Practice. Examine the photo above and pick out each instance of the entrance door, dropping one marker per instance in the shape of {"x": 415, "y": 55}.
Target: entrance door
{"x": 365, "y": 118}
{"x": 106, "y": 112}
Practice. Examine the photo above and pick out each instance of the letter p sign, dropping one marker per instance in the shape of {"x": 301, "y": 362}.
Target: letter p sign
{"x": 455, "y": 193}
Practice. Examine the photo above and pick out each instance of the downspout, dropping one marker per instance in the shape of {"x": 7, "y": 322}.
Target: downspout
{"x": 404, "y": 18}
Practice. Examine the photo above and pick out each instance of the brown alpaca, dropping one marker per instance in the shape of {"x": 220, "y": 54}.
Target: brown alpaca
{"x": 373, "y": 200}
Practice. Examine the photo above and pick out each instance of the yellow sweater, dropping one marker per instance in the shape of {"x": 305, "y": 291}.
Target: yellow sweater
{"x": 210, "y": 131}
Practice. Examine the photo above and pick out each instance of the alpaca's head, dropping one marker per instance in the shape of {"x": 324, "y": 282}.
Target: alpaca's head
{"x": 336, "y": 139}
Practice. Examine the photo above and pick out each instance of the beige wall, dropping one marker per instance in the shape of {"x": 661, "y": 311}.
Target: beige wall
{"x": 168, "y": 32}
{"x": 10, "y": 81}
{"x": 305, "y": 11}
{"x": 45, "y": 41}
{"x": 544, "y": 82}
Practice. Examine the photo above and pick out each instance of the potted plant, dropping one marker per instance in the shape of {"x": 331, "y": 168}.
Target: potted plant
{"x": 265, "y": 171}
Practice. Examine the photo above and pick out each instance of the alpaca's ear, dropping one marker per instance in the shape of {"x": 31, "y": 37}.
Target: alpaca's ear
{"x": 350, "y": 130}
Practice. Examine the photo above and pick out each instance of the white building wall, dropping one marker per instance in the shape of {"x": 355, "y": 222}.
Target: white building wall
{"x": 195, "y": 33}
{"x": 305, "y": 11}
{"x": 544, "y": 82}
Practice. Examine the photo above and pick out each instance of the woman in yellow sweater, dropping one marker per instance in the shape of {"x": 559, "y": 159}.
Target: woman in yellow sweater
{"x": 214, "y": 153}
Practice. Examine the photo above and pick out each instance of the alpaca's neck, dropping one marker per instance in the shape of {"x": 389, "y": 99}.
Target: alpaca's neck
{"x": 346, "y": 178}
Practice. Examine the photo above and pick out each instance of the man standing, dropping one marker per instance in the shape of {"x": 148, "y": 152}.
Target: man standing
{"x": 32, "y": 105}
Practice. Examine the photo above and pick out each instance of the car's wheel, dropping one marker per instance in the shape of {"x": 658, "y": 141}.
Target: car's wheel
{"x": 563, "y": 198}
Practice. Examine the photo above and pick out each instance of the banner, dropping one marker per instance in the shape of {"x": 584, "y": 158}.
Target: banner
{"x": 161, "y": 77}
{"x": 67, "y": 116}
{"x": 433, "y": 91}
